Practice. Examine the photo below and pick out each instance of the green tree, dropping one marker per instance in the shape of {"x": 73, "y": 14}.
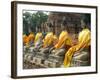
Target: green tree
{"x": 26, "y": 22}
{"x": 33, "y": 20}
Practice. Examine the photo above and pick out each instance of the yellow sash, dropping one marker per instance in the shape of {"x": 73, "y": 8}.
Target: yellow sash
{"x": 84, "y": 40}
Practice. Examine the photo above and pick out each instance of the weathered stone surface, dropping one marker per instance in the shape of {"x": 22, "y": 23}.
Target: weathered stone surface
{"x": 81, "y": 59}
{"x": 41, "y": 59}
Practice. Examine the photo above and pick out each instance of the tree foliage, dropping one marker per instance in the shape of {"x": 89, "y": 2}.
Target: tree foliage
{"x": 33, "y": 20}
